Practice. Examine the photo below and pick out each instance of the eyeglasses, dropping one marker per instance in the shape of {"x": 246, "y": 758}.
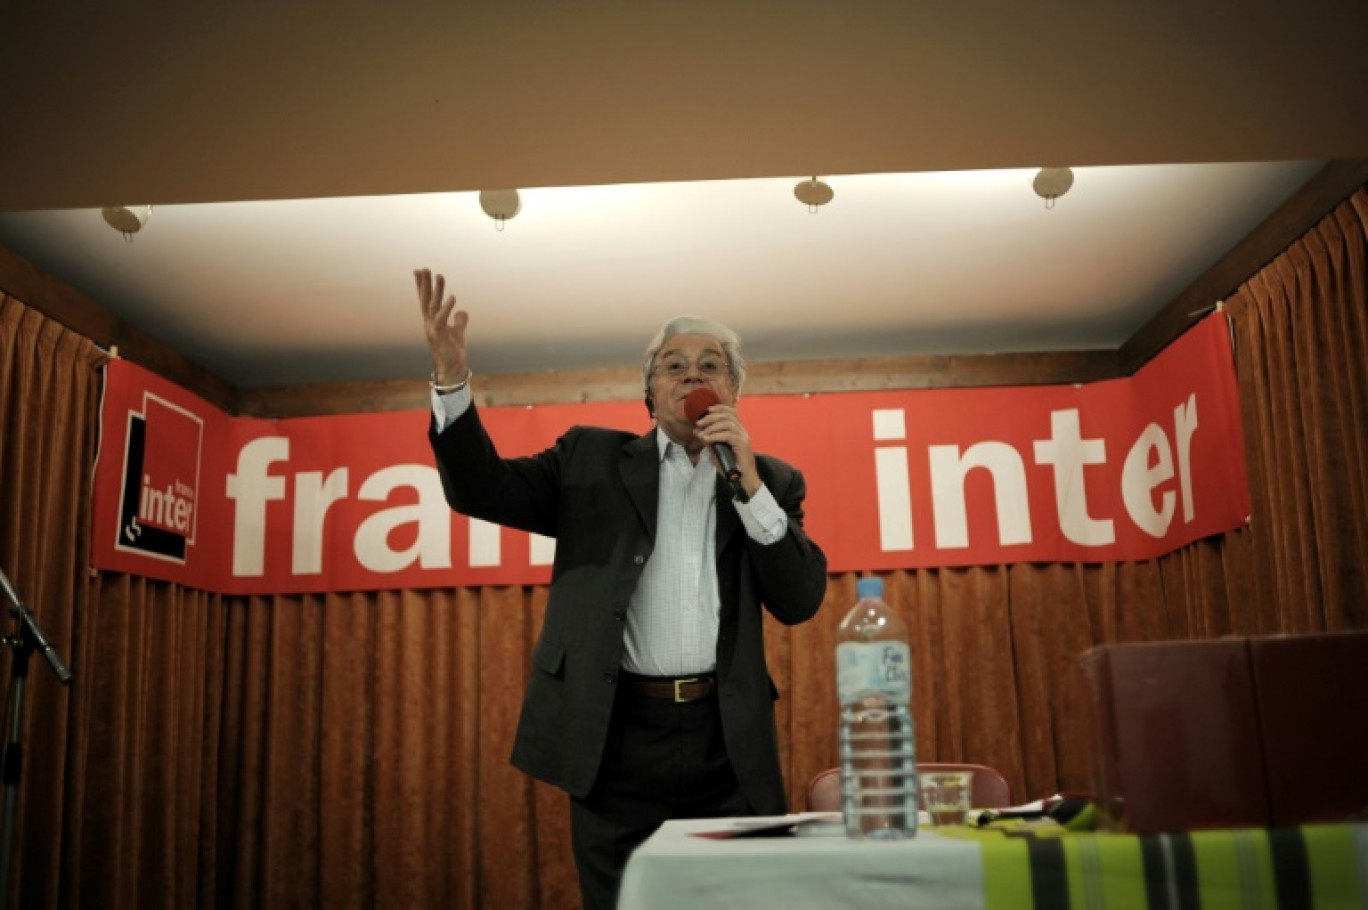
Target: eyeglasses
{"x": 710, "y": 366}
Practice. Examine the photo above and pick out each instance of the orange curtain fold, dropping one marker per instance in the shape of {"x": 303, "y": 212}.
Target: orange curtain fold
{"x": 351, "y": 750}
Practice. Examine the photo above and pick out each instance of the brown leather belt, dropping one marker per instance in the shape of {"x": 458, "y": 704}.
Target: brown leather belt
{"x": 684, "y": 689}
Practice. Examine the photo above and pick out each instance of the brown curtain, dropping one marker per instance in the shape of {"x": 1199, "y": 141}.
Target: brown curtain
{"x": 352, "y": 750}
{"x": 49, "y": 392}
{"x": 1302, "y": 345}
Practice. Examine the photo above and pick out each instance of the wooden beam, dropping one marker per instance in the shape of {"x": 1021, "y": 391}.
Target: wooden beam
{"x": 1302, "y": 211}
{"x": 42, "y": 292}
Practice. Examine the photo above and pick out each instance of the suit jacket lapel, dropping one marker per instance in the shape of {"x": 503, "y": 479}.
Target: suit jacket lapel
{"x": 640, "y": 472}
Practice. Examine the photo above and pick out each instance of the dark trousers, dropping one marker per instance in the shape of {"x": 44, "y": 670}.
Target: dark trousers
{"x": 662, "y": 760}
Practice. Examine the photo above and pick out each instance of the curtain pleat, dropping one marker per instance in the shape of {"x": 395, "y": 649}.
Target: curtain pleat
{"x": 351, "y": 750}
{"x": 48, "y": 393}
{"x": 1301, "y": 329}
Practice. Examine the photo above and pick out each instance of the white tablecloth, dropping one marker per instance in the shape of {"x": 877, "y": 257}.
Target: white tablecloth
{"x": 677, "y": 870}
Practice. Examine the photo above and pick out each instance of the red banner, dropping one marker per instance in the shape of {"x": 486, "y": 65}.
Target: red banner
{"x": 1118, "y": 470}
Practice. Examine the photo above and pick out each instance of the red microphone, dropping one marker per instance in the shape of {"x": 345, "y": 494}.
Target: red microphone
{"x": 695, "y": 406}
{"x": 698, "y": 401}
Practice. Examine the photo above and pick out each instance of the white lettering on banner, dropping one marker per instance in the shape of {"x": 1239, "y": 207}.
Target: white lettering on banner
{"x": 541, "y": 551}
{"x": 250, "y": 489}
{"x": 1184, "y": 425}
{"x": 1148, "y": 464}
{"x": 948, "y": 470}
{"x": 891, "y": 482}
{"x": 169, "y": 508}
{"x": 433, "y": 544}
{"x": 313, "y": 496}
{"x": 1138, "y": 481}
{"x": 895, "y": 498}
{"x": 1138, "y": 478}
{"x": 1069, "y": 452}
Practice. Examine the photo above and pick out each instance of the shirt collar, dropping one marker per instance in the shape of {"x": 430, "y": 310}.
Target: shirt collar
{"x": 663, "y": 443}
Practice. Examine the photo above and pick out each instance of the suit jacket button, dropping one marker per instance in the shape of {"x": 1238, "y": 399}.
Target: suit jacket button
{"x": 639, "y": 559}
{"x": 620, "y": 615}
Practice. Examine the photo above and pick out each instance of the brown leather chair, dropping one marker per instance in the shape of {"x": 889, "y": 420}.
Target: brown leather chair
{"x": 991, "y": 790}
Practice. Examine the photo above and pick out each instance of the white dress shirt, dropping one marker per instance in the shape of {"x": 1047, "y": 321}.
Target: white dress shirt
{"x": 673, "y": 616}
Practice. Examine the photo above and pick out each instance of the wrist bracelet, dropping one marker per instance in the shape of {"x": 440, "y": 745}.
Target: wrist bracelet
{"x": 448, "y": 389}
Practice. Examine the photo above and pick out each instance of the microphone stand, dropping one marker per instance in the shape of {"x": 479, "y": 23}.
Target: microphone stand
{"x": 24, "y": 642}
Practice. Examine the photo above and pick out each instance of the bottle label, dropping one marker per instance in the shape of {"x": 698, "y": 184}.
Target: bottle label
{"x": 866, "y": 668}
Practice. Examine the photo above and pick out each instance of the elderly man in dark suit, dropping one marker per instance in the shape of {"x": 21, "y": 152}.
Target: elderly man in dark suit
{"x": 649, "y": 696}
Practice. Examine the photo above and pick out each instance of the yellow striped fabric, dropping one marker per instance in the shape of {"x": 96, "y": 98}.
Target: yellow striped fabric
{"x": 1040, "y": 864}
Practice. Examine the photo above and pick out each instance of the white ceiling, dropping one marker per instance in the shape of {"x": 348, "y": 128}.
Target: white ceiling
{"x": 290, "y": 291}
{"x": 303, "y": 159}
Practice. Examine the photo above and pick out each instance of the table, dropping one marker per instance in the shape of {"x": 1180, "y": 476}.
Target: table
{"x": 1320, "y": 866}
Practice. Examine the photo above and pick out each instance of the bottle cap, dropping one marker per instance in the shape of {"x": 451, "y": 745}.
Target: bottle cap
{"x": 869, "y": 588}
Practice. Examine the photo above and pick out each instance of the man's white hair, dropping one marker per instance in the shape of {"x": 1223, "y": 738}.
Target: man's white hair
{"x": 695, "y": 325}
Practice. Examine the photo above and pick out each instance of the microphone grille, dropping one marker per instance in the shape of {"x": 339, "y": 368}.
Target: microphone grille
{"x": 698, "y": 402}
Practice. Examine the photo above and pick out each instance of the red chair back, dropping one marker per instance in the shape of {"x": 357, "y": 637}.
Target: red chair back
{"x": 991, "y": 790}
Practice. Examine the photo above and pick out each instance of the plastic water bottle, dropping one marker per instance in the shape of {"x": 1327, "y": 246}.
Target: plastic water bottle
{"x": 877, "y": 740}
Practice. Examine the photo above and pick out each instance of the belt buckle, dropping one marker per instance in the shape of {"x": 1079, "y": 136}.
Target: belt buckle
{"x": 679, "y": 696}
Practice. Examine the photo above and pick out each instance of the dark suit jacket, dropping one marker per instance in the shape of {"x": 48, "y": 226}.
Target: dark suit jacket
{"x": 595, "y": 491}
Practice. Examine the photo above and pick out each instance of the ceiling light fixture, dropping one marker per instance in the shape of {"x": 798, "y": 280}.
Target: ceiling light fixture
{"x": 127, "y": 219}
{"x": 813, "y": 194}
{"x": 1051, "y": 183}
{"x": 500, "y": 205}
